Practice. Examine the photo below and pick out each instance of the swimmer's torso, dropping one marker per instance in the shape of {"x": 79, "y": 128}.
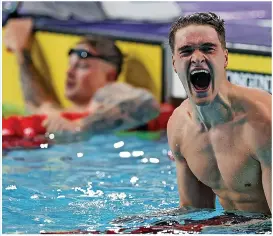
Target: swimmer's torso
{"x": 222, "y": 159}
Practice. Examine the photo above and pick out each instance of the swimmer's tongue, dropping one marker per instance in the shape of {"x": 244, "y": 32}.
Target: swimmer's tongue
{"x": 200, "y": 80}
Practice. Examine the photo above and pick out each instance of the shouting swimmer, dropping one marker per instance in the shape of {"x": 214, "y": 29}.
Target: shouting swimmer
{"x": 221, "y": 135}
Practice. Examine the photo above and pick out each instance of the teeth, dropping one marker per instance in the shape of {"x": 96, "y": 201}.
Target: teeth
{"x": 199, "y": 71}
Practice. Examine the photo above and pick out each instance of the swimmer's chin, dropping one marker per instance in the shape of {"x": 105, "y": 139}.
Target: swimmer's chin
{"x": 204, "y": 101}
{"x": 202, "y": 104}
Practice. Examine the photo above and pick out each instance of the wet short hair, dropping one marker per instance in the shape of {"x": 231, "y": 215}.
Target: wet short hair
{"x": 107, "y": 48}
{"x": 201, "y": 18}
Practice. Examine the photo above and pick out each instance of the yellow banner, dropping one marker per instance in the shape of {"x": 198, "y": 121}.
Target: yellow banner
{"x": 142, "y": 67}
{"x": 250, "y": 63}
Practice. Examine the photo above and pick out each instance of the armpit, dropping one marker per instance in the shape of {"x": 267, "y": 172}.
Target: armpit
{"x": 176, "y": 153}
{"x": 179, "y": 156}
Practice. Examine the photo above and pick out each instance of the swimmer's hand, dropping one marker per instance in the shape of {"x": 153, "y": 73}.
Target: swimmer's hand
{"x": 17, "y": 34}
{"x": 65, "y": 137}
{"x": 56, "y": 123}
{"x": 63, "y": 130}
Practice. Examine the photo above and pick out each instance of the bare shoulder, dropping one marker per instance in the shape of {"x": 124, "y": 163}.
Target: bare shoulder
{"x": 176, "y": 123}
{"x": 178, "y": 115}
{"x": 117, "y": 91}
{"x": 257, "y": 101}
{"x": 258, "y": 107}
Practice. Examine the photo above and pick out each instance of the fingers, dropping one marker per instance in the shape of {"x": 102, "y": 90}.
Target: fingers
{"x": 56, "y": 123}
{"x": 17, "y": 34}
{"x": 8, "y": 43}
{"x": 65, "y": 131}
{"x": 53, "y": 125}
{"x": 62, "y": 137}
{"x": 9, "y": 49}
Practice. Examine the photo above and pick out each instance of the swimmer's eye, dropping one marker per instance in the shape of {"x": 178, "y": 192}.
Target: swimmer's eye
{"x": 79, "y": 65}
{"x": 207, "y": 49}
{"x": 82, "y": 66}
{"x": 186, "y": 52}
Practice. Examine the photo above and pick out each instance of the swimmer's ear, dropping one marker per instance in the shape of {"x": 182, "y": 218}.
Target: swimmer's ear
{"x": 112, "y": 75}
{"x": 226, "y": 58}
{"x": 173, "y": 60}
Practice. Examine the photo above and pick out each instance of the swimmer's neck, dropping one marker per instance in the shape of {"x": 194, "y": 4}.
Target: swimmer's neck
{"x": 217, "y": 112}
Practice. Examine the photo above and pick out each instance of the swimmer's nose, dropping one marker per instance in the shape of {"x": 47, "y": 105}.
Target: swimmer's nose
{"x": 197, "y": 58}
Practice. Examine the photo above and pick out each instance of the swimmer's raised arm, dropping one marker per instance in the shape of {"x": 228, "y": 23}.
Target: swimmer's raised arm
{"x": 37, "y": 94}
{"x": 192, "y": 192}
{"x": 37, "y": 91}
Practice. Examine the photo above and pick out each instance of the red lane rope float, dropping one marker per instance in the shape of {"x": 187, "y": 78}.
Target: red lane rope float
{"x": 160, "y": 123}
{"x": 28, "y": 132}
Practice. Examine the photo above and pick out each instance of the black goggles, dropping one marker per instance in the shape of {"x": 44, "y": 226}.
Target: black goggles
{"x": 83, "y": 54}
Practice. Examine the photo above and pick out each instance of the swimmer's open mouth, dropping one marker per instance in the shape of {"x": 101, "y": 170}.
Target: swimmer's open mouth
{"x": 200, "y": 79}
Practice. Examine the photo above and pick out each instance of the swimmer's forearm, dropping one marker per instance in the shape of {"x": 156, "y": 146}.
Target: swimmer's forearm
{"x": 33, "y": 86}
{"x": 108, "y": 120}
{"x": 122, "y": 116}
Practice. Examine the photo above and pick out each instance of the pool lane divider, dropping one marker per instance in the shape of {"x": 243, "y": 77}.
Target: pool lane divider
{"x": 28, "y": 132}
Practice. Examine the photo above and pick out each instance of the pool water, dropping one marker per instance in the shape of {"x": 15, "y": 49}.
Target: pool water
{"x": 108, "y": 182}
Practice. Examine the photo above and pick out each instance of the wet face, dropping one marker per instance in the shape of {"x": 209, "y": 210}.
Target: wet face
{"x": 200, "y": 62}
{"x": 85, "y": 76}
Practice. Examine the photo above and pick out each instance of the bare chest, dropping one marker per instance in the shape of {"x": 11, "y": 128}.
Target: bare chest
{"x": 221, "y": 159}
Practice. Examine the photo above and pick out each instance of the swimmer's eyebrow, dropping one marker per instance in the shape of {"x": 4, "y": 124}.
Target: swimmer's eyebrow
{"x": 186, "y": 47}
{"x": 190, "y": 47}
{"x": 208, "y": 45}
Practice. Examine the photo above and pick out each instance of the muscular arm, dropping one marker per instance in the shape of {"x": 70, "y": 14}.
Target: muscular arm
{"x": 114, "y": 107}
{"x": 265, "y": 157}
{"x": 37, "y": 90}
{"x": 120, "y": 109}
{"x": 191, "y": 191}
{"x": 260, "y": 138}
{"x": 262, "y": 144}
{"x": 37, "y": 93}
